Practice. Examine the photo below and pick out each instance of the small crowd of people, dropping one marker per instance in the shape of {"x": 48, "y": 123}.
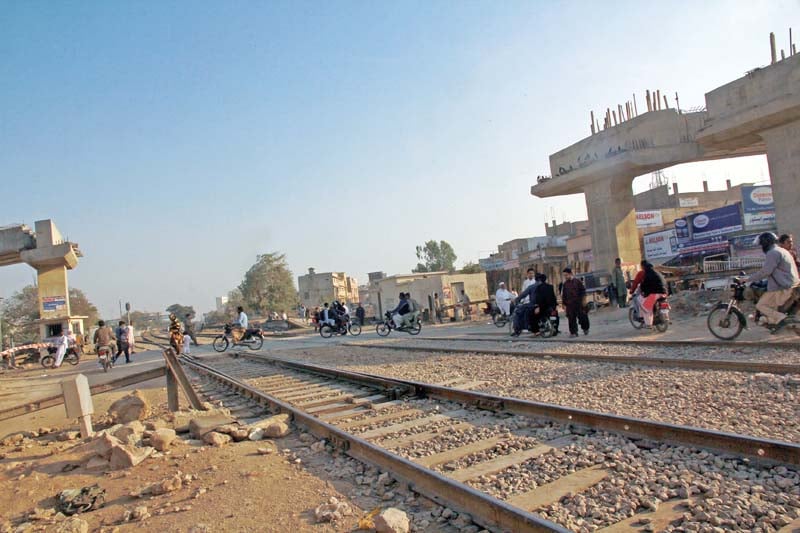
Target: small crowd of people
{"x": 406, "y": 312}
{"x": 336, "y": 314}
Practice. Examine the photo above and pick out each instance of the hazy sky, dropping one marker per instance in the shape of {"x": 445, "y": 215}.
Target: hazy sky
{"x": 175, "y": 141}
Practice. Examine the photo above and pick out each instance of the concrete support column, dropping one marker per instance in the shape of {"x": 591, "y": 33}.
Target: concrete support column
{"x": 783, "y": 157}
{"x": 613, "y": 222}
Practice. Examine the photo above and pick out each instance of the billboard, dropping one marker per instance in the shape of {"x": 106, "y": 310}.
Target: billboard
{"x": 660, "y": 244}
{"x": 714, "y": 245}
{"x": 682, "y": 229}
{"x": 54, "y": 303}
{"x": 491, "y": 264}
{"x": 746, "y": 246}
{"x": 688, "y": 202}
{"x": 726, "y": 219}
{"x": 649, "y": 219}
{"x": 758, "y": 206}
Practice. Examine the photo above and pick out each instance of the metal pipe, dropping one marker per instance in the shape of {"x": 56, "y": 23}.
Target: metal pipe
{"x": 635, "y": 108}
{"x": 772, "y": 52}
{"x": 647, "y": 97}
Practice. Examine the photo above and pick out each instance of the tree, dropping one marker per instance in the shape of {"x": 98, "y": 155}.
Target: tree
{"x": 269, "y": 284}
{"x": 180, "y": 311}
{"x": 471, "y": 268}
{"x": 80, "y": 305}
{"x": 19, "y": 312}
{"x": 435, "y": 256}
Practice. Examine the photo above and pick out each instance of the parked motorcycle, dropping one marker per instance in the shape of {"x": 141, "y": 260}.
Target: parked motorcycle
{"x": 386, "y": 327}
{"x": 661, "y": 310}
{"x": 344, "y": 327}
{"x": 726, "y": 321}
{"x": 72, "y": 356}
{"x": 253, "y": 338}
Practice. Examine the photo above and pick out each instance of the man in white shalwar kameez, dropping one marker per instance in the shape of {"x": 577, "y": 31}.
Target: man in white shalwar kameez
{"x": 503, "y": 299}
{"x": 62, "y": 343}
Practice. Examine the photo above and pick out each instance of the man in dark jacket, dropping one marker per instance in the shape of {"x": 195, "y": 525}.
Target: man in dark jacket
{"x": 572, "y": 294}
{"x": 545, "y": 302}
{"x": 360, "y": 314}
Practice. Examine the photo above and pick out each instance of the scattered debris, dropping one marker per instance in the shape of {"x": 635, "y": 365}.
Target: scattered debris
{"x": 73, "y": 501}
{"x": 332, "y": 511}
{"x": 161, "y": 438}
{"x": 216, "y": 439}
{"x": 129, "y": 408}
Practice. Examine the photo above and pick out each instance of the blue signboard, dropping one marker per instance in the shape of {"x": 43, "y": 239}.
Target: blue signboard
{"x": 714, "y": 245}
{"x": 727, "y": 219}
{"x": 681, "y": 229}
{"x": 757, "y": 199}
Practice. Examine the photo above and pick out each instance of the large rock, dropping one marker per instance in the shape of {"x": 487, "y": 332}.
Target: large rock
{"x": 164, "y": 486}
{"x": 131, "y": 432}
{"x": 97, "y": 463}
{"x": 216, "y": 439}
{"x": 391, "y": 520}
{"x": 73, "y": 524}
{"x": 201, "y": 425}
{"x": 283, "y": 417}
{"x": 161, "y": 438}
{"x": 276, "y": 429}
{"x": 100, "y": 445}
{"x": 129, "y": 408}
{"x": 124, "y": 456}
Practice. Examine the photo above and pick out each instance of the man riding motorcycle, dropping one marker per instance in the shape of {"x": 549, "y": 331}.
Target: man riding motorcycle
{"x": 782, "y": 278}
{"x": 414, "y": 311}
{"x": 652, "y": 287}
{"x": 398, "y": 313}
{"x": 240, "y": 326}
{"x": 103, "y": 338}
{"x": 503, "y": 299}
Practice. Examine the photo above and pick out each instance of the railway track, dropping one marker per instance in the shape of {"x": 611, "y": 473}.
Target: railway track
{"x": 518, "y": 465}
{"x": 648, "y": 360}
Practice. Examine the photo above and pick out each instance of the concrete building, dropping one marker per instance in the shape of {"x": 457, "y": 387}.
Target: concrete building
{"x": 756, "y": 114}
{"x": 221, "y": 302}
{"x": 424, "y": 285}
{"x": 46, "y": 251}
{"x": 316, "y": 289}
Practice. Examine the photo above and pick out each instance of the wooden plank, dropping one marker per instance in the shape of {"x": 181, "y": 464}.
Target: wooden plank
{"x": 329, "y": 417}
{"x": 388, "y": 430}
{"x": 380, "y": 418}
{"x": 461, "y": 451}
{"x": 174, "y": 366}
{"x": 660, "y": 518}
{"x": 399, "y": 442}
{"x": 503, "y": 462}
{"x": 469, "y": 384}
{"x": 321, "y": 406}
{"x": 550, "y": 493}
{"x": 311, "y": 391}
{"x": 288, "y": 386}
{"x": 367, "y": 400}
{"x": 386, "y": 405}
{"x": 339, "y": 398}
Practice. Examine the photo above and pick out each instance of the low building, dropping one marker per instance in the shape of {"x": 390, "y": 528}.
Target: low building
{"x": 316, "y": 289}
{"x": 424, "y": 285}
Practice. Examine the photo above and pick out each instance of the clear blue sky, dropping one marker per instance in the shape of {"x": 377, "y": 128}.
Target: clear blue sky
{"x": 175, "y": 141}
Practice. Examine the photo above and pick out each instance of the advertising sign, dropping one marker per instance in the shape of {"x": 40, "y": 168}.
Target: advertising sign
{"x": 649, "y": 219}
{"x": 759, "y": 220}
{"x": 718, "y": 221}
{"x": 703, "y": 246}
{"x": 682, "y": 229}
{"x": 746, "y": 246}
{"x": 491, "y": 264}
{"x": 756, "y": 199}
{"x": 54, "y": 303}
{"x": 688, "y": 202}
{"x": 660, "y": 244}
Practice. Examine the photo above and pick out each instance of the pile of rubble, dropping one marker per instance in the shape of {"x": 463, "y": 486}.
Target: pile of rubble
{"x": 694, "y": 303}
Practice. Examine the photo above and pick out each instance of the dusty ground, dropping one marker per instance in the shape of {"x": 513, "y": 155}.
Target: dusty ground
{"x": 242, "y": 490}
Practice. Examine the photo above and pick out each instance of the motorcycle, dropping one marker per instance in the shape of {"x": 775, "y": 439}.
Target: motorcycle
{"x": 547, "y": 324}
{"x": 104, "y": 355}
{"x": 726, "y": 320}
{"x": 72, "y": 356}
{"x": 253, "y": 338}
{"x": 343, "y": 327}
{"x": 661, "y": 310}
{"x": 386, "y": 327}
{"x": 499, "y": 318}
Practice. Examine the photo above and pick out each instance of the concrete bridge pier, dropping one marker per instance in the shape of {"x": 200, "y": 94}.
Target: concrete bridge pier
{"x": 783, "y": 158}
{"x": 613, "y": 221}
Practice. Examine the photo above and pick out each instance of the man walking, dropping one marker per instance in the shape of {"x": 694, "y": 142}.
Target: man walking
{"x": 437, "y": 307}
{"x": 618, "y": 284}
{"x": 188, "y": 329}
{"x": 360, "y": 314}
{"x": 122, "y": 342}
{"x": 572, "y": 294}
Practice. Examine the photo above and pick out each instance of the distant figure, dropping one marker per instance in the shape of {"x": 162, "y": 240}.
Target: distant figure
{"x": 62, "y": 343}
{"x": 437, "y": 307}
{"x": 572, "y": 296}
{"x": 786, "y": 241}
{"x": 618, "y": 284}
{"x": 187, "y": 342}
{"x": 284, "y": 316}
{"x": 466, "y": 304}
{"x": 131, "y": 342}
{"x": 360, "y": 314}
{"x": 175, "y": 334}
{"x": 122, "y": 342}
{"x": 188, "y": 328}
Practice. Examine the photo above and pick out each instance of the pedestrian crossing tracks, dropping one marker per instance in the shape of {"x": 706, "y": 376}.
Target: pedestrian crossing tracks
{"x": 487, "y": 456}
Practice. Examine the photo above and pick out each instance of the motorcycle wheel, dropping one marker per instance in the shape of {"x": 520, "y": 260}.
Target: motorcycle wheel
{"x": 326, "y": 332}
{"x": 499, "y": 320}
{"x": 635, "y": 321}
{"x": 106, "y": 364}
{"x": 74, "y": 359}
{"x": 416, "y": 328}
{"x": 661, "y": 326}
{"x": 546, "y": 329}
{"x": 723, "y": 325}
{"x": 383, "y": 329}
{"x": 48, "y": 361}
{"x": 256, "y": 342}
{"x": 220, "y": 343}
{"x": 354, "y": 329}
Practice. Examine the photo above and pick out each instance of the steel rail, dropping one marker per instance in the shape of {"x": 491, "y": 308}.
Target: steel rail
{"x": 656, "y": 342}
{"x": 721, "y": 441}
{"x": 667, "y": 362}
{"x": 486, "y": 509}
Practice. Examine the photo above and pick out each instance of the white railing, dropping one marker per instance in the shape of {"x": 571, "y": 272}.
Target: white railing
{"x": 737, "y": 263}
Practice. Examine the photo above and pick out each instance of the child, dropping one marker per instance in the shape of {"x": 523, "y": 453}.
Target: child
{"x": 187, "y": 341}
